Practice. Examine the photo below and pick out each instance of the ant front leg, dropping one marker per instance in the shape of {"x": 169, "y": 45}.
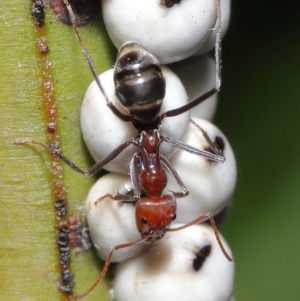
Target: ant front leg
{"x": 202, "y": 218}
{"x": 54, "y": 149}
{"x": 125, "y": 198}
{"x": 107, "y": 263}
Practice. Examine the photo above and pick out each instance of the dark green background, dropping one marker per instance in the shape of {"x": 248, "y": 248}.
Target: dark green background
{"x": 259, "y": 111}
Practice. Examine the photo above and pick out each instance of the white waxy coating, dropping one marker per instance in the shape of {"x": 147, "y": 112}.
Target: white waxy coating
{"x": 198, "y": 75}
{"x": 103, "y": 131}
{"x": 210, "y": 184}
{"x": 111, "y": 222}
{"x": 171, "y": 34}
{"x": 209, "y": 44}
{"x": 165, "y": 270}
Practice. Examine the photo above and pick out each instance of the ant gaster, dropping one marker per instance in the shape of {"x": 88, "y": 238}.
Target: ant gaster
{"x": 140, "y": 88}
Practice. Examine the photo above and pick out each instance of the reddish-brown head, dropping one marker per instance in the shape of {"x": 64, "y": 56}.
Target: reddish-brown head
{"x": 154, "y": 216}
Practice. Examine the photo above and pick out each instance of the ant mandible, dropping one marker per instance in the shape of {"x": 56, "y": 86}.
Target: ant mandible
{"x": 140, "y": 88}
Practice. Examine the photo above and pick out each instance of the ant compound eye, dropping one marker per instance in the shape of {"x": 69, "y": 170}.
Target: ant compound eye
{"x": 174, "y": 217}
{"x": 143, "y": 221}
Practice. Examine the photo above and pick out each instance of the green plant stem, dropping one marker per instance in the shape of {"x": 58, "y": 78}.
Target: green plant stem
{"x": 29, "y": 267}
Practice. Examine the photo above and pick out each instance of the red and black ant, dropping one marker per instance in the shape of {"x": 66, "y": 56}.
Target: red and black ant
{"x": 140, "y": 88}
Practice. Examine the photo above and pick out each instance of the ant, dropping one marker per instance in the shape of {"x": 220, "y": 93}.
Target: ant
{"x": 140, "y": 88}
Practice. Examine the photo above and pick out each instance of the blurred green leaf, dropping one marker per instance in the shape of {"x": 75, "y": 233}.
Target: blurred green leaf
{"x": 259, "y": 112}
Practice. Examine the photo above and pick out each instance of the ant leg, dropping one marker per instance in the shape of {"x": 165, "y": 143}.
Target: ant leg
{"x": 107, "y": 263}
{"x": 217, "y": 86}
{"x": 55, "y": 151}
{"x": 200, "y": 219}
{"x": 125, "y": 194}
{"x": 88, "y": 58}
{"x": 117, "y": 197}
{"x": 194, "y": 150}
{"x": 214, "y": 146}
{"x": 134, "y": 176}
{"x": 176, "y": 176}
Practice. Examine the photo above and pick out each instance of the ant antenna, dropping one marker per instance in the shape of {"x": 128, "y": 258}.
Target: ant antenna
{"x": 214, "y": 226}
{"x": 107, "y": 263}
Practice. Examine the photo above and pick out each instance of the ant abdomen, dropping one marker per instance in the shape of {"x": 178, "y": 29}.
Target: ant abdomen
{"x": 139, "y": 83}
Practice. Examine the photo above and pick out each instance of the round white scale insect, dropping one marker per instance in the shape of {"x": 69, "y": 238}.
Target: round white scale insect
{"x": 211, "y": 184}
{"x": 185, "y": 265}
{"x": 171, "y": 34}
{"x": 112, "y": 222}
{"x": 198, "y": 75}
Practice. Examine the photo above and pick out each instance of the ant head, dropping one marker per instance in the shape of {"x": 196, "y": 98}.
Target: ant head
{"x": 139, "y": 83}
{"x": 154, "y": 216}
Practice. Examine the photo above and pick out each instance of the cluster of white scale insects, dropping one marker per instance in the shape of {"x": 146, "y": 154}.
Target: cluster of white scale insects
{"x": 187, "y": 264}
